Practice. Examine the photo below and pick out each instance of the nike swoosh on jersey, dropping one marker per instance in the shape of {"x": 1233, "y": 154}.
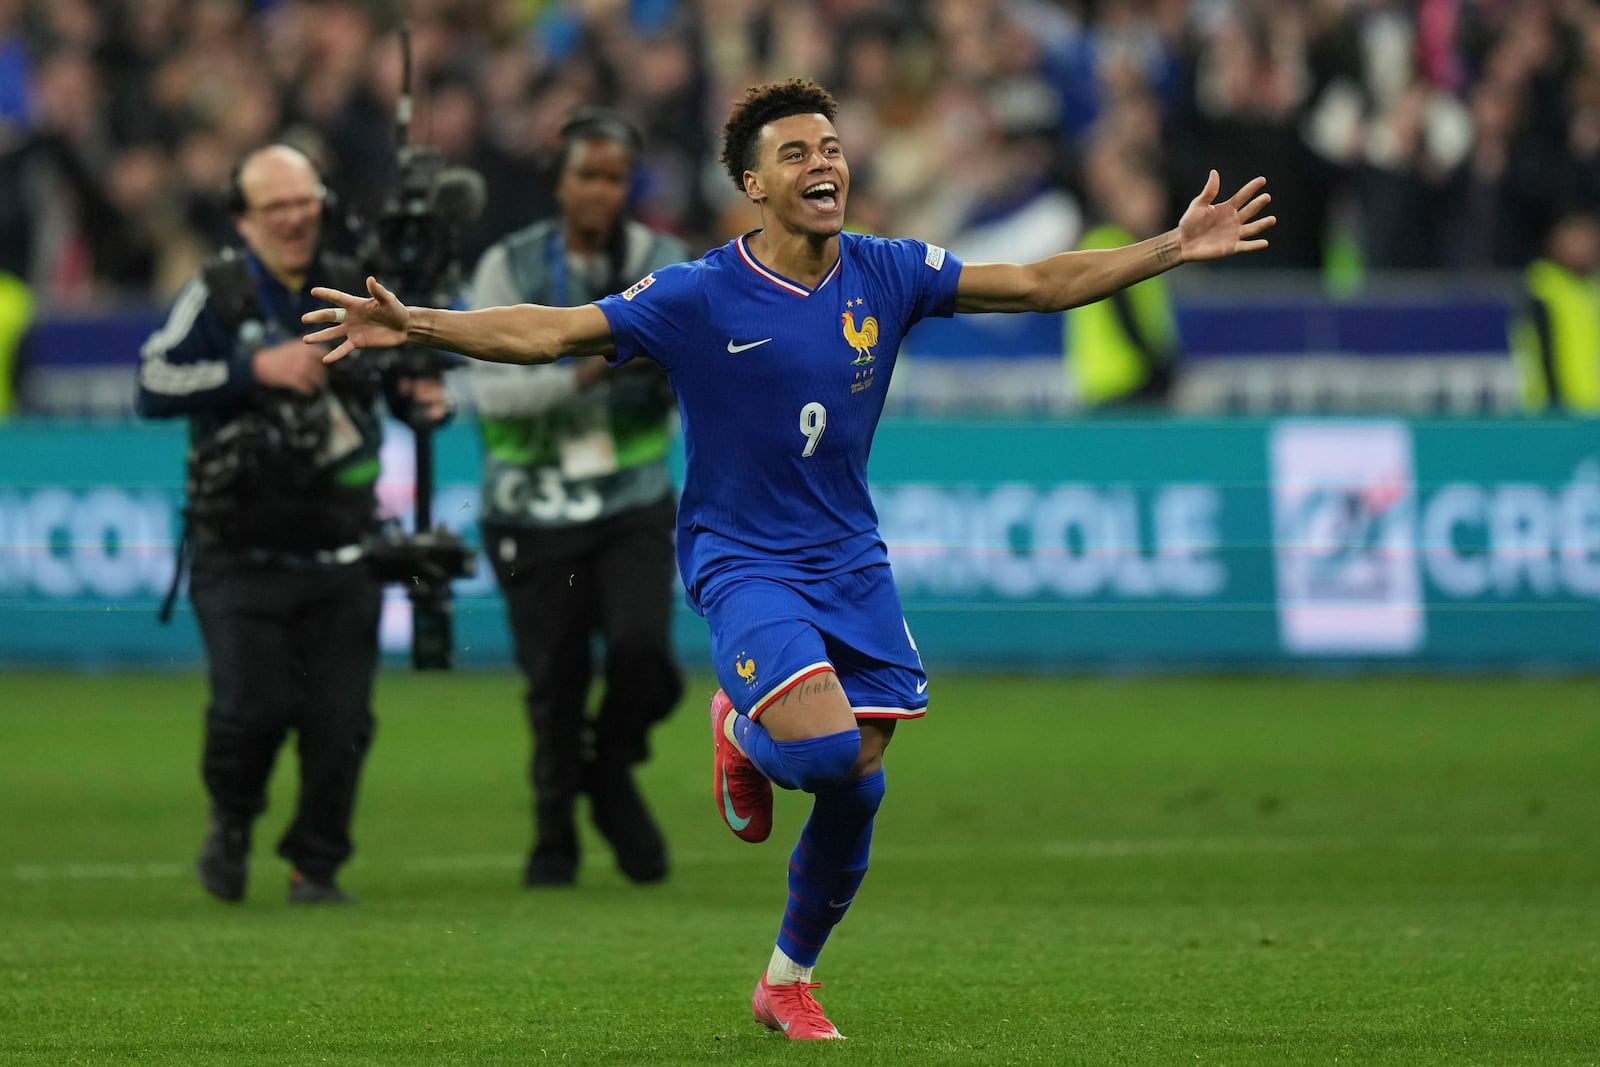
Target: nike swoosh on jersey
{"x": 735, "y": 349}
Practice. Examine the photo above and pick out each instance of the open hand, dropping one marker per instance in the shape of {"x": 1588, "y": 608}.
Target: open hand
{"x": 1209, "y": 230}
{"x": 378, "y": 321}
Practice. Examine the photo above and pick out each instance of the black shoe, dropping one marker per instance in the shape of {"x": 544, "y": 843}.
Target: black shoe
{"x": 623, "y": 820}
{"x": 224, "y": 859}
{"x": 304, "y": 889}
{"x": 550, "y": 867}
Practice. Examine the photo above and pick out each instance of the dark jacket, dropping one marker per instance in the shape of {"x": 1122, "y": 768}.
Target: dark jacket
{"x": 267, "y": 468}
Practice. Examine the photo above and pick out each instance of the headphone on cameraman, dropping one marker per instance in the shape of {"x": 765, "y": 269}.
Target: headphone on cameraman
{"x": 233, "y": 193}
{"x": 590, "y": 122}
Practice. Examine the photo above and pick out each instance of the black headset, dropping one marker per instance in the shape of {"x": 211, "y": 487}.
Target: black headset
{"x": 233, "y": 192}
{"x": 589, "y": 121}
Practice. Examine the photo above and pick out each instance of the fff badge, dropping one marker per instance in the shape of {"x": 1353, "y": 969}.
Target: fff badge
{"x": 1344, "y": 504}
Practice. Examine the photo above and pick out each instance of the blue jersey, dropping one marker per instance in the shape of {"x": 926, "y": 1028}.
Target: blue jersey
{"x": 780, "y": 387}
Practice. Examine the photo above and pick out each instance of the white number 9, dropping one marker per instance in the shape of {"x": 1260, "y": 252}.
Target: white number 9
{"x": 813, "y": 420}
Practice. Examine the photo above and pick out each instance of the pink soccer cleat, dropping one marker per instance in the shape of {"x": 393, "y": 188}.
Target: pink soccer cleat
{"x": 793, "y": 1011}
{"x": 743, "y": 793}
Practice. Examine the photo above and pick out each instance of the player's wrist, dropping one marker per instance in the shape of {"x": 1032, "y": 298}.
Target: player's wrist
{"x": 419, "y": 327}
{"x": 1168, "y": 249}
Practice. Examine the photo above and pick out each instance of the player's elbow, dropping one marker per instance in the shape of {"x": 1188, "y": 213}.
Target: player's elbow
{"x": 569, "y": 332}
{"x": 1004, "y": 287}
{"x": 1036, "y": 290}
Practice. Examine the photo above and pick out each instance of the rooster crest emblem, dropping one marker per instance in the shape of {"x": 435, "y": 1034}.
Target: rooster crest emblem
{"x": 746, "y": 668}
{"x": 863, "y": 339}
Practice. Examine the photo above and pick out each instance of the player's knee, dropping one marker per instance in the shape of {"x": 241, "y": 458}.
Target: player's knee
{"x": 855, "y": 799}
{"x": 869, "y": 792}
{"x": 819, "y": 763}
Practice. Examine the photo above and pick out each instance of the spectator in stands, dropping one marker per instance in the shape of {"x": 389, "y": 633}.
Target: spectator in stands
{"x": 1247, "y": 94}
{"x": 1021, "y": 208}
{"x": 513, "y": 194}
{"x": 1500, "y": 188}
{"x": 1354, "y": 107}
{"x": 1555, "y": 338}
{"x": 52, "y": 189}
{"x": 579, "y": 512}
{"x": 14, "y": 65}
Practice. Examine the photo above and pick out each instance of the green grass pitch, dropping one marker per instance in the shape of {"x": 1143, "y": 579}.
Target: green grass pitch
{"x": 1066, "y": 871}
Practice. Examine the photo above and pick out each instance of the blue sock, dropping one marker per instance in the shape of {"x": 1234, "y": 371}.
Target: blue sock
{"x": 812, "y": 764}
{"x": 828, "y": 864}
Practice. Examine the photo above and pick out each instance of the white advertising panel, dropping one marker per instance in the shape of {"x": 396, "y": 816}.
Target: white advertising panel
{"x": 1344, "y": 506}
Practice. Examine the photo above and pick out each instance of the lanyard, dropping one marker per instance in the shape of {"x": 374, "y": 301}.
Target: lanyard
{"x": 555, "y": 251}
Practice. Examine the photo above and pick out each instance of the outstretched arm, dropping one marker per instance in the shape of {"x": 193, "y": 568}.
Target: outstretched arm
{"x": 1208, "y": 230}
{"x": 525, "y": 333}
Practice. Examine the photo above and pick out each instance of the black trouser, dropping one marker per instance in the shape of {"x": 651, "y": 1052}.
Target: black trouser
{"x": 288, "y": 648}
{"x": 615, "y": 578}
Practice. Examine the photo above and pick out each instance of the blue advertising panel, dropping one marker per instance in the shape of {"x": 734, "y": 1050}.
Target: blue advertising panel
{"x": 1155, "y": 544}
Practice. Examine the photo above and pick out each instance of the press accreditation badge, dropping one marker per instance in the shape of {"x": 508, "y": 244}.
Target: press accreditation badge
{"x": 588, "y": 455}
{"x": 587, "y": 446}
{"x": 343, "y": 436}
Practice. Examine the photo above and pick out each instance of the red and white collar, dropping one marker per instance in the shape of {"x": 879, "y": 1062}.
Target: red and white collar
{"x": 777, "y": 279}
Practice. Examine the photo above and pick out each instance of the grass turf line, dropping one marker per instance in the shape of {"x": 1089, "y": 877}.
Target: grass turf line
{"x": 1096, "y": 871}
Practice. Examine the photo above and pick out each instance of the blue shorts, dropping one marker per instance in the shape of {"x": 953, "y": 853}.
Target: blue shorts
{"x": 767, "y": 635}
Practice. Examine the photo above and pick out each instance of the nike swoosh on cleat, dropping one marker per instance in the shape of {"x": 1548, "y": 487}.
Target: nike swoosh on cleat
{"x": 727, "y": 809}
{"x": 735, "y": 349}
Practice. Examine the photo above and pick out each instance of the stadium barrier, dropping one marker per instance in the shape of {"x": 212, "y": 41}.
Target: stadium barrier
{"x": 1037, "y": 545}
{"x": 1420, "y": 345}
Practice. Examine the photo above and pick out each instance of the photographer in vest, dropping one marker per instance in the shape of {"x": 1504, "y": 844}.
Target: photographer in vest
{"x": 579, "y": 509}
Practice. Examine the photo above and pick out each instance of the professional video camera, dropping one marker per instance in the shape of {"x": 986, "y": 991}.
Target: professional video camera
{"x": 418, "y": 231}
{"x": 414, "y": 249}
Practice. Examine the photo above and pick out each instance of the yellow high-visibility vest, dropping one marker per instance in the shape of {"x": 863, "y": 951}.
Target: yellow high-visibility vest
{"x": 16, "y": 312}
{"x": 1572, "y": 305}
{"x": 1104, "y": 362}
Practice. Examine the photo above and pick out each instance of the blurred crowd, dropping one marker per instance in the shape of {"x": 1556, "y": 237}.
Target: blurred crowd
{"x": 1410, "y": 134}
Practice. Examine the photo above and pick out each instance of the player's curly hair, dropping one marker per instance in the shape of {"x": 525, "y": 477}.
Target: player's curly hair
{"x": 761, "y": 105}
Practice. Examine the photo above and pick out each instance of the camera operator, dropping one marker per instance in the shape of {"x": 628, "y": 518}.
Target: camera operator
{"x": 282, "y": 465}
{"x": 579, "y": 510}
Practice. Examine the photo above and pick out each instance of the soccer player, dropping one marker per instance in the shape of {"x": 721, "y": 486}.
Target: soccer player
{"x": 779, "y": 346}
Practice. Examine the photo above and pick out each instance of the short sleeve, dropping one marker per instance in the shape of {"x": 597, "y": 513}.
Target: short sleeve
{"x": 924, "y": 274}
{"x": 935, "y": 272}
{"x": 649, "y": 318}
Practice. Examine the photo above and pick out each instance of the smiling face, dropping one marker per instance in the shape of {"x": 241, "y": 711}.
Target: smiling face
{"x": 282, "y": 213}
{"x": 800, "y": 178}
